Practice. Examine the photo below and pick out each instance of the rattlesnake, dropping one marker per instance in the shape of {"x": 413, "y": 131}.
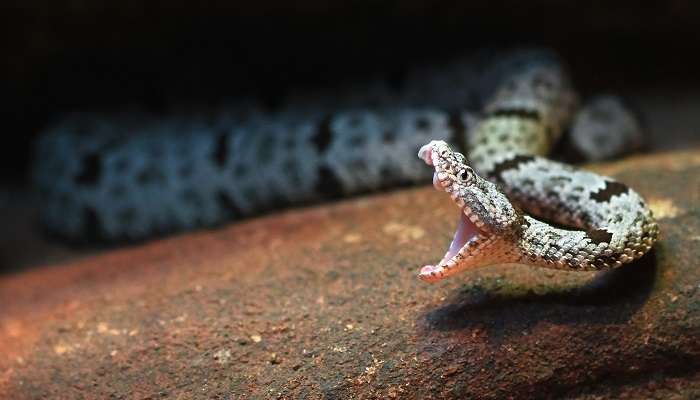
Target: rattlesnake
{"x": 135, "y": 176}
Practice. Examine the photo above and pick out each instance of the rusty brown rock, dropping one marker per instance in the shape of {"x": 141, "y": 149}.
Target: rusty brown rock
{"x": 324, "y": 303}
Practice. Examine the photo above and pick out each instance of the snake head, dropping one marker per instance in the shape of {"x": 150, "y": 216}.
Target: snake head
{"x": 489, "y": 226}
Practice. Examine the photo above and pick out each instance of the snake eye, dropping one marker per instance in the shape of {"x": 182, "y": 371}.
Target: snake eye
{"x": 466, "y": 174}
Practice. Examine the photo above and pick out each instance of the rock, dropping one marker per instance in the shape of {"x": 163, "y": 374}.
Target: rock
{"x": 324, "y": 303}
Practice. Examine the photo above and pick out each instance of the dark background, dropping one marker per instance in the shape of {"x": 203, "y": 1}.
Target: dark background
{"x": 84, "y": 55}
{"x": 61, "y": 56}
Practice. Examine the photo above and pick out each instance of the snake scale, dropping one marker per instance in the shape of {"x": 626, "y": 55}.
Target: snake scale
{"x": 132, "y": 176}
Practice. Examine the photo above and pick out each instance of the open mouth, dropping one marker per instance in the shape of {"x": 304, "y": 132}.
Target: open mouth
{"x": 468, "y": 237}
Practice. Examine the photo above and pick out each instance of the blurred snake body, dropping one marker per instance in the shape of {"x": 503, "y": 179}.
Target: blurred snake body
{"x": 134, "y": 176}
{"x": 606, "y": 223}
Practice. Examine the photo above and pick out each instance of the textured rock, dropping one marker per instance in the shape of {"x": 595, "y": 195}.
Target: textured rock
{"x": 324, "y": 303}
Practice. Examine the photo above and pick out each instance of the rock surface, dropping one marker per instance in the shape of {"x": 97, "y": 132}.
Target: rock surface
{"x": 324, "y": 303}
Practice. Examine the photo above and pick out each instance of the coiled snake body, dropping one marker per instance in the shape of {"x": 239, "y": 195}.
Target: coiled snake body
{"x": 135, "y": 176}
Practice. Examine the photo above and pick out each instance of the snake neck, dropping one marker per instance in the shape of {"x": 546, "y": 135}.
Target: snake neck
{"x": 525, "y": 116}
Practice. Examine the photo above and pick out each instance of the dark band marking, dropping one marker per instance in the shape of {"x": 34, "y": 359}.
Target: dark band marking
{"x": 220, "y": 154}
{"x": 598, "y": 236}
{"x": 601, "y": 261}
{"x": 121, "y": 165}
{"x": 393, "y": 175}
{"x": 542, "y": 80}
{"x": 149, "y": 175}
{"x": 357, "y": 140}
{"x": 227, "y": 204}
{"x": 511, "y": 163}
{"x": 560, "y": 179}
{"x": 617, "y": 218}
{"x": 516, "y": 112}
{"x": 457, "y": 129}
{"x": 240, "y": 170}
{"x": 90, "y": 170}
{"x": 329, "y": 186}
{"x": 549, "y": 132}
{"x": 422, "y": 123}
{"x": 324, "y": 135}
{"x": 483, "y": 140}
{"x": 456, "y": 123}
{"x": 354, "y": 121}
{"x": 389, "y": 137}
{"x": 91, "y": 224}
{"x": 118, "y": 191}
{"x": 611, "y": 189}
{"x": 127, "y": 215}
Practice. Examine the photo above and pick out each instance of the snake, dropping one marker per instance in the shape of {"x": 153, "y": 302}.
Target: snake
{"x": 134, "y": 175}
{"x": 517, "y": 206}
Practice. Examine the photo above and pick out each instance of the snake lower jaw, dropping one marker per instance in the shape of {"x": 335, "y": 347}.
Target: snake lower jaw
{"x": 468, "y": 236}
{"x": 465, "y": 251}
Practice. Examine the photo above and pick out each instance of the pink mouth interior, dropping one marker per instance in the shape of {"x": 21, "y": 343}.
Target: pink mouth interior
{"x": 466, "y": 231}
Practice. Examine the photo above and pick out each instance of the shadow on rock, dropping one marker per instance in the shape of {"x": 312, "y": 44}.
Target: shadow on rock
{"x": 612, "y": 297}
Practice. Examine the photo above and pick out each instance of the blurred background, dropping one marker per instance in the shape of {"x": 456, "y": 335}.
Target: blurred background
{"x": 62, "y": 56}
